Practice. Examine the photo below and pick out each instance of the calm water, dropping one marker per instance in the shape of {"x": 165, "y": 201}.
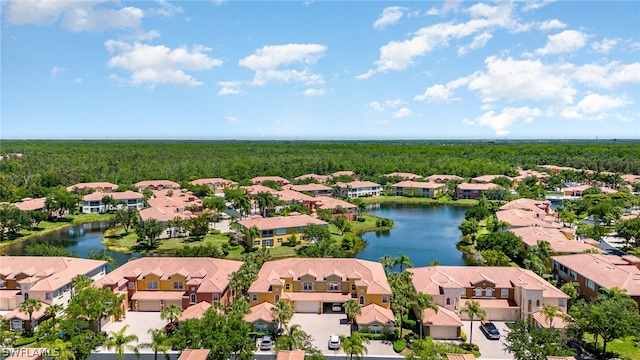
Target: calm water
{"x": 78, "y": 238}
{"x": 422, "y": 232}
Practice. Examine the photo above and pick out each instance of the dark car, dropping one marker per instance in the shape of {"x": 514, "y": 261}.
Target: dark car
{"x": 575, "y": 346}
{"x": 490, "y": 331}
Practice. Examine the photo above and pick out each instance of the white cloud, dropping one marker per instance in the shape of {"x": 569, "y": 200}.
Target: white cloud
{"x": 403, "y": 112}
{"x": 267, "y": 61}
{"x": 393, "y": 103}
{"x": 551, "y": 24}
{"x": 521, "y": 79}
{"x": 566, "y": 41}
{"x": 536, "y": 4}
{"x": 375, "y": 106}
{"x": 435, "y": 93}
{"x": 604, "y": 46}
{"x": 383, "y": 122}
{"x": 607, "y": 76}
{"x": 56, "y": 70}
{"x": 479, "y": 41}
{"x": 232, "y": 120}
{"x": 158, "y": 64}
{"x": 389, "y": 16}
{"x": 399, "y": 55}
{"x": 592, "y": 106}
{"x": 230, "y": 88}
{"x": 449, "y": 5}
{"x": 78, "y": 80}
{"x": 500, "y": 122}
{"x": 166, "y": 9}
{"x": 314, "y": 92}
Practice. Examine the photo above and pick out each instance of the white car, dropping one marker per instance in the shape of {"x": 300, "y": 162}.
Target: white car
{"x": 334, "y": 342}
{"x": 266, "y": 343}
{"x": 336, "y": 307}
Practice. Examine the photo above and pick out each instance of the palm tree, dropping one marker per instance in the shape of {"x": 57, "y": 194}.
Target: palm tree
{"x": 420, "y": 302}
{"x": 52, "y": 311}
{"x": 159, "y": 343}
{"x": 402, "y": 260}
{"x": 473, "y": 308}
{"x": 262, "y": 256}
{"x": 265, "y": 200}
{"x": 62, "y": 350}
{"x": 550, "y": 312}
{"x": 352, "y": 309}
{"x": 80, "y": 282}
{"x": 254, "y": 232}
{"x": 120, "y": 341}
{"x": 354, "y": 345}
{"x": 296, "y": 339}
{"x": 387, "y": 262}
{"x": 171, "y": 313}
{"x": 30, "y": 306}
{"x": 283, "y": 312}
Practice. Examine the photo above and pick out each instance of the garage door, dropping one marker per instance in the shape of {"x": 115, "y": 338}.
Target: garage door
{"x": 148, "y": 305}
{"x": 307, "y": 306}
{"x": 177, "y": 303}
{"x": 497, "y": 314}
{"x": 443, "y": 332}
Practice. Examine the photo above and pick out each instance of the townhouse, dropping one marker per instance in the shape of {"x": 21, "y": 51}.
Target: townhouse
{"x": 103, "y": 187}
{"x": 280, "y": 180}
{"x": 46, "y": 278}
{"x": 403, "y": 175}
{"x": 561, "y": 241}
{"x": 29, "y": 204}
{"x": 473, "y": 191}
{"x": 343, "y": 173}
{"x": 505, "y": 293}
{"x": 417, "y": 189}
{"x": 443, "y": 179}
{"x": 597, "y": 272}
{"x": 356, "y": 189}
{"x": 319, "y": 178}
{"x": 487, "y": 178}
{"x": 316, "y": 285}
{"x": 215, "y": 183}
{"x": 273, "y": 231}
{"x": 151, "y": 283}
{"x": 93, "y": 203}
{"x": 156, "y": 185}
{"x": 579, "y": 190}
{"x": 535, "y": 206}
{"x": 523, "y": 218}
{"x": 313, "y": 189}
{"x": 336, "y": 206}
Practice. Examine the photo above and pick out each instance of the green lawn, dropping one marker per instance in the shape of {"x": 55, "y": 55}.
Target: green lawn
{"x": 624, "y": 348}
{"x": 416, "y": 200}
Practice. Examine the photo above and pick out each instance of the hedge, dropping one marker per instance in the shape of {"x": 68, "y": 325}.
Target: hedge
{"x": 399, "y": 345}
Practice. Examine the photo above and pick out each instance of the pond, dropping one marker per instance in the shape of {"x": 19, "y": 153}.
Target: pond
{"x": 422, "y": 232}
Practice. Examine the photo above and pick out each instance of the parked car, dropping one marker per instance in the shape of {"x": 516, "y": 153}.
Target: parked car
{"x": 334, "y": 342}
{"x": 336, "y": 307}
{"x": 490, "y": 331}
{"x": 266, "y": 343}
{"x": 170, "y": 327}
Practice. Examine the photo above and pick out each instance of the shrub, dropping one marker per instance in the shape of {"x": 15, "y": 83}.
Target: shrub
{"x": 399, "y": 345}
{"x": 371, "y": 336}
{"x": 470, "y": 347}
{"x": 24, "y": 341}
{"x": 361, "y": 219}
{"x": 463, "y": 336}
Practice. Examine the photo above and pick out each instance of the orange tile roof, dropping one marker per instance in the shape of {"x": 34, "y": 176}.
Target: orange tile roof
{"x": 605, "y": 270}
{"x": 408, "y": 176}
{"x": 157, "y": 183}
{"x": 488, "y": 178}
{"x": 28, "y": 204}
{"x": 310, "y": 188}
{"x": 195, "y": 311}
{"x": 555, "y": 237}
{"x": 278, "y": 179}
{"x": 374, "y": 313}
{"x": 212, "y": 274}
{"x": 496, "y": 303}
{"x": 520, "y": 218}
{"x": 444, "y": 317}
{"x": 461, "y": 357}
{"x": 291, "y": 355}
{"x": 319, "y": 178}
{"x": 281, "y": 222}
{"x": 194, "y": 354}
{"x": 630, "y": 178}
{"x": 212, "y": 181}
{"x": 163, "y": 214}
{"x": 328, "y": 203}
{"x": 47, "y": 272}
{"x": 536, "y": 206}
{"x": 559, "y": 321}
{"x": 17, "y": 314}
{"x": 255, "y": 189}
{"x": 291, "y": 195}
{"x": 125, "y": 195}
{"x": 92, "y": 185}
{"x": 445, "y": 178}
{"x": 483, "y": 187}
{"x": 343, "y": 173}
{"x": 358, "y": 184}
{"x": 260, "y": 312}
{"x": 419, "y": 185}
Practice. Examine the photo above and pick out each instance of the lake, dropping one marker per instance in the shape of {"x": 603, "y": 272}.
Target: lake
{"x": 422, "y": 232}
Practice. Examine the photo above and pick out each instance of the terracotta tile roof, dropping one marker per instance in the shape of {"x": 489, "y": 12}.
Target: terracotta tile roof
{"x": 281, "y": 222}
{"x": 374, "y": 313}
{"x": 118, "y": 196}
{"x": 217, "y": 182}
{"x": 521, "y": 218}
{"x": 213, "y": 274}
{"x": 630, "y": 178}
{"x": 319, "y": 178}
{"x": 278, "y": 179}
{"x": 559, "y": 322}
{"x": 555, "y": 237}
{"x": 443, "y": 317}
{"x": 343, "y": 173}
{"x": 443, "y": 178}
{"x": 369, "y": 272}
{"x": 157, "y": 183}
{"x": 496, "y": 303}
{"x": 488, "y": 178}
{"x": 536, "y": 206}
{"x": 291, "y": 355}
{"x": 163, "y": 214}
{"x": 429, "y": 279}
{"x": 194, "y": 311}
{"x": 605, "y": 270}
{"x": 194, "y": 354}
{"x": 17, "y": 314}
{"x": 93, "y": 185}
{"x": 260, "y": 312}
{"x": 28, "y": 204}
{"x": 483, "y": 187}
{"x": 290, "y": 195}
{"x": 461, "y": 357}
{"x": 419, "y": 185}
{"x": 255, "y": 189}
{"x": 310, "y": 188}
{"x": 358, "y": 184}
{"x": 407, "y": 176}
{"x": 328, "y": 203}
{"x": 47, "y": 272}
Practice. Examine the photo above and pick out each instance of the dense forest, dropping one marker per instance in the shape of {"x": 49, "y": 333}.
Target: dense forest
{"x": 46, "y": 164}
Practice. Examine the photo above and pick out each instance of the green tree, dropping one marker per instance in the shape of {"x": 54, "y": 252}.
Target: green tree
{"x": 353, "y": 310}
{"x": 470, "y": 227}
{"x": 473, "y": 309}
{"x": 423, "y": 349}
{"x": 94, "y": 304}
{"x": 109, "y": 202}
{"x": 571, "y": 289}
{"x": 532, "y": 343}
{"x": 148, "y": 232}
{"x": 36, "y": 217}
{"x": 354, "y": 345}
{"x": 266, "y": 201}
{"x": 61, "y": 350}
{"x": 402, "y": 260}
{"x": 159, "y": 343}
{"x": 12, "y": 220}
{"x": 551, "y": 312}
{"x": 52, "y": 311}
{"x": 79, "y": 282}
{"x": 198, "y": 226}
{"x": 341, "y": 223}
{"x": 29, "y": 306}
{"x": 282, "y": 312}
{"x": 121, "y": 341}
{"x": 630, "y": 231}
{"x": 295, "y": 339}
{"x": 171, "y": 313}
{"x": 494, "y": 258}
{"x": 504, "y": 241}
{"x": 387, "y": 262}
{"x": 126, "y": 217}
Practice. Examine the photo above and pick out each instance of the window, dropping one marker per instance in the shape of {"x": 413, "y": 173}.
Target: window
{"x": 254, "y": 297}
{"x": 488, "y": 293}
{"x": 168, "y": 232}
{"x": 591, "y": 285}
{"x": 299, "y": 229}
{"x": 448, "y": 301}
{"x": 281, "y": 231}
{"x": 361, "y": 300}
{"x": 353, "y": 287}
{"x": 385, "y": 299}
{"x": 132, "y": 285}
{"x": 16, "y": 324}
{"x": 537, "y": 303}
{"x": 177, "y": 285}
{"x": 276, "y": 298}
{"x": 256, "y": 242}
{"x": 152, "y": 285}
{"x": 561, "y": 303}
{"x": 215, "y": 297}
{"x": 267, "y": 233}
{"x": 267, "y": 243}
{"x": 279, "y": 240}
{"x": 478, "y": 292}
{"x": 504, "y": 293}
{"x": 334, "y": 286}
{"x": 573, "y": 275}
{"x": 287, "y": 286}
{"x": 192, "y": 299}
{"x": 307, "y": 286}
{"x": 375, "y": 329}
{"x": 47, "y": 296}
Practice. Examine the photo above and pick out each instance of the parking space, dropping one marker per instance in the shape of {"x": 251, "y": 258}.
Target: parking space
{"x": 139, "y": 324}
{"x": 320, "y": 327}
{"x": 489, "y": 349}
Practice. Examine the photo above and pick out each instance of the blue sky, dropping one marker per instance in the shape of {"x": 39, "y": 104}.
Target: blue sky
{"x": 320, "y": 70}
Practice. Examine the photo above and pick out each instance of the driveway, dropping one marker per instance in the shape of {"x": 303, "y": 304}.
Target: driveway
{"x": 489, "y": 349}
{"x": 139, "y": 324}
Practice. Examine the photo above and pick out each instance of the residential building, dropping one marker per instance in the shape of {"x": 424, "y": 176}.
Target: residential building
{"x": 273, "y": 231}
{"x": 93, "y": 204}
{"x": 314, "y": 285}
{"x": 523, "y": 218}
{"x": 403, "y": 175}
{"x": 261, "y": 319}
{"x": 443, "y": 179}
{"x": 523, "y": 174}
{"x": 417, "y": 189}
{"x": 473, "y": 191}
{"x": 195, "y": 311}
{"x": 290, "y": 197}
{"x": 375, "y": 319}
{"x": 194, "y": 354}
{"x": 356, "y": 189}
{"x": 597, "y": 272}
{"x": 290, "y": 355}
{"x": 103, "y": 187}
{"x": 504, "y": 293}
{"x": 535, "y": 206}
{"x": 46, "y": 278}
{"x": 343, "y": 173}
{"x": 336, "y": 206}
{"x": 181, "y": 198}
{"x": 313, "y": 189}
{"x": 561, "y": 241}
{"x": 319, "y": 178}
{"x": 156, "y": 185}
{"x": 253, "y": 190}
{"x": 151, "y": 283}
{"x": 630, "y": 178}
{"x": 215, "y": 183}
{"x": 280, "y": 180}
{"x": 579, "y": 190}
{"x": 29, "y": 204}
{"x": 487, "y": 178}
